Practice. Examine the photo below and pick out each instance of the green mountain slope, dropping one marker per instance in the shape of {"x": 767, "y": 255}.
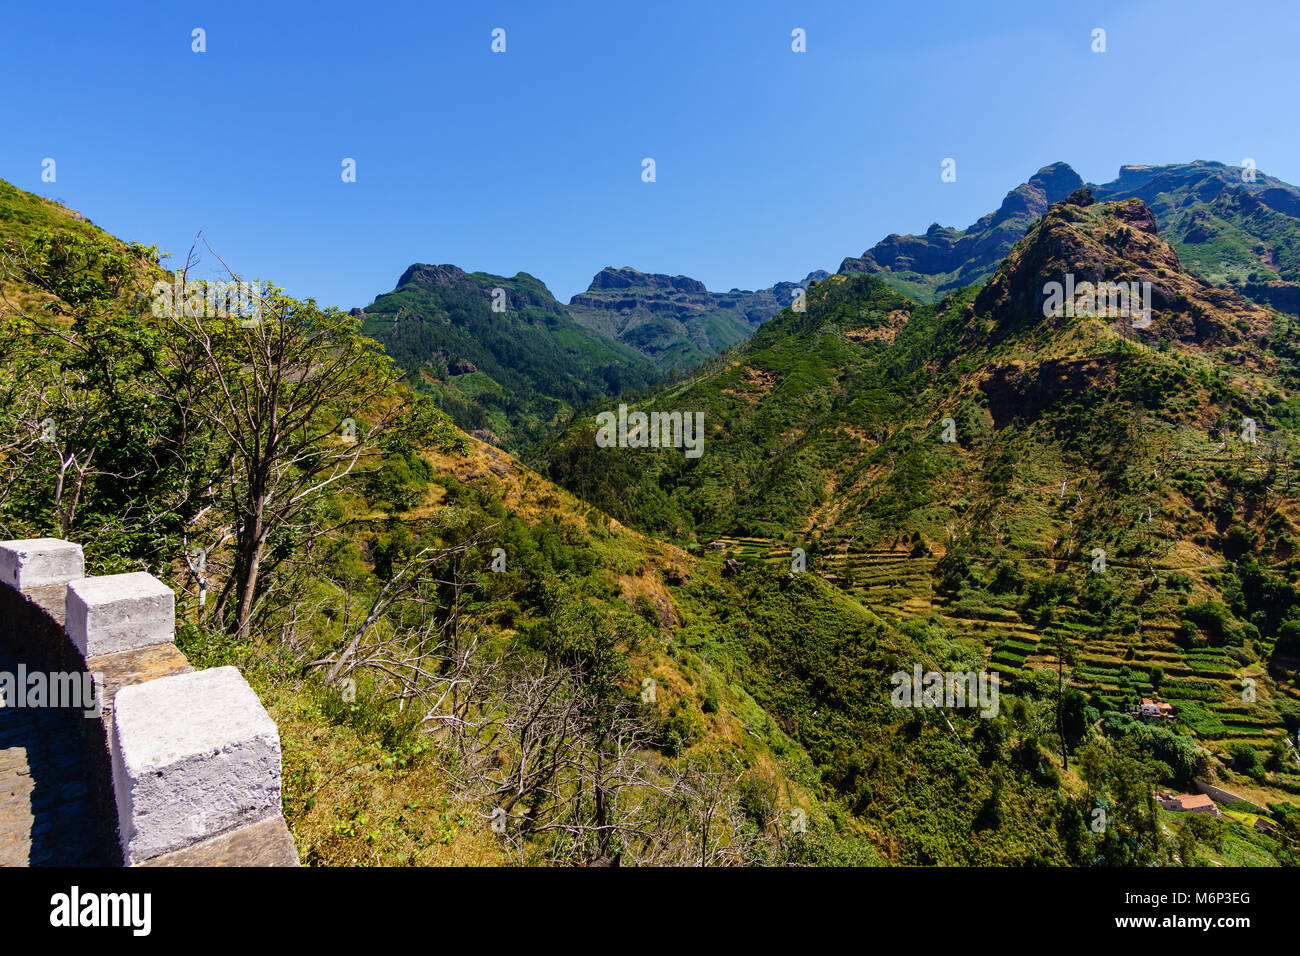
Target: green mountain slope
{"x": 1076, "y": 438}
{"x": 466, "y": 669}
{"x": 675, "y": 320}
{"x": 772, "y": 737}
{"x": 506, "y": 375}
{"x": 1225, "y": 230}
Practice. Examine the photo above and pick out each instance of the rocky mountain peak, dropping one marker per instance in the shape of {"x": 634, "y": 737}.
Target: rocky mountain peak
{"x": 445, "y": 275}
{"x": 628, "y": 278}
{"x": 1081, "y": 247}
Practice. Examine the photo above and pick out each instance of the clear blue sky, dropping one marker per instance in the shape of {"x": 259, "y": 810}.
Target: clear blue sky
{"x": 770, "y": 163}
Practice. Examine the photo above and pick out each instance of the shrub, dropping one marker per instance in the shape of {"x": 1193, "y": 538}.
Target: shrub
{"x": 1244, "y": 757}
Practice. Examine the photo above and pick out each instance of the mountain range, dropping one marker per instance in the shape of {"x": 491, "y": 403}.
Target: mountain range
{"x": 1228, "y": 224}
{"x": 1100, "y": 507}
{"x": 1043, "y": 487}
{"x": 514, "y": 374}
{"x": 675, "y": 320}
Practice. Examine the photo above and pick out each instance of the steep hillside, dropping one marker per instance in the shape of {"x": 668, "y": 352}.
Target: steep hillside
{"x": 1079, "y": 487}
{"x": 470, "y": 665}
{"x": 501, "y": 356}
{"x": 675, "y": 320}
{"x": 1226, "y": 226}
{"x": 944, "y": 259}
{"x": 1225, "y": 229}
{"x": 467, "y": 664}
{"x": 24, "y": 217}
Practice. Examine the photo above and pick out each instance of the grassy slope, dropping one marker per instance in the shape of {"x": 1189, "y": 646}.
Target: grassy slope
{"x": 824, "y": 433}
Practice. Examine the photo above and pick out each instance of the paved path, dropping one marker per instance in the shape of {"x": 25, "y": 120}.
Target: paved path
{"x": 46, "y": 809}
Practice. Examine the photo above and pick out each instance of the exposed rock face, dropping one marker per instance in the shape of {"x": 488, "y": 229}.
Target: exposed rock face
{"x": 611, "y": 278}
{"x": 675, "y": 320}
{"x": 1227, "y": 223}
{"x": 959, "y": 257}
{"x": 447, "y": 275}
{"x": 1081, "y": 241}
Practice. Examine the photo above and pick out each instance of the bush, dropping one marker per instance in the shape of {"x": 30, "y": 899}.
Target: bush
{"x": 680, "y": 728}
{"x": 1244, "y": 757}
{"x": 709, "y": 698}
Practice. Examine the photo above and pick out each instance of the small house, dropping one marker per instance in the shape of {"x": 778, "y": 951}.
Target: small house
{"x": 1155, "y": 708}
{"x": 1190, "y": 803}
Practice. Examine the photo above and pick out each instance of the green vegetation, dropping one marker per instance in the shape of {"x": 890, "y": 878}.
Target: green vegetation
{"x": 635, "y": 665}
{"x": 1097, "y": 511}
{"x": 512, "y": 373}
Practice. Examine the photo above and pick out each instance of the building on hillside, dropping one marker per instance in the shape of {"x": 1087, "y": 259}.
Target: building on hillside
{"x": 716, "y": 546}
{"x": 1154, "y": 708}
{"x": 1188, "y": 803}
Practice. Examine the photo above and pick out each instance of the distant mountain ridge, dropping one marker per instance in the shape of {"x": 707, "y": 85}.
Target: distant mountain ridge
{"x": 1227, "y": 224}
{"x": 513, "y": 375}
{"x": 507, "y": 360}
{"x": 501, "y": 355}
{"x": 675, "y": 320}
{"x": 945, "y": 258}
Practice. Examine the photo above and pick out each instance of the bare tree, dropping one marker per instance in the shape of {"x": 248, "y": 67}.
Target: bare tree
{"x": 297, "y": 399}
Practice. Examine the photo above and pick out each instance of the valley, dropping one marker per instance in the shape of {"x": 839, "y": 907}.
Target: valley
{"x": 563, "y": 609}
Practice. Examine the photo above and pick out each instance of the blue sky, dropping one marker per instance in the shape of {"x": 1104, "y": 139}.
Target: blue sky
{"x": 769, "y": 163}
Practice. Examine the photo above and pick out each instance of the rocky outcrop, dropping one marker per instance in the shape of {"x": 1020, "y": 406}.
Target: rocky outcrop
{"x": 625, "y": 278}
{"x": 1081, "y": 244}
{"x": 675, "y": 320}
{"x": 952, "y": 258}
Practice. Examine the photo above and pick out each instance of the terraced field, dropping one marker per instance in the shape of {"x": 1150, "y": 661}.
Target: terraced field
{"x": 1205, "y": 684}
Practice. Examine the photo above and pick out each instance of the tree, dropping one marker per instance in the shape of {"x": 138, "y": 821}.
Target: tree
{"x": 1075, "y": 718}
{"x": 1064, "y": 654}
{"x": 86, "y": 436}
{"x": 1198, "y": 829}
{"x": 297, "y": 399}
{"x": 180, "y": 423}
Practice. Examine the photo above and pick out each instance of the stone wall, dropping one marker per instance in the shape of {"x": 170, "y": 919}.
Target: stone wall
{"x": 185, "y": 764}
{"x": 1225, "y": 797}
